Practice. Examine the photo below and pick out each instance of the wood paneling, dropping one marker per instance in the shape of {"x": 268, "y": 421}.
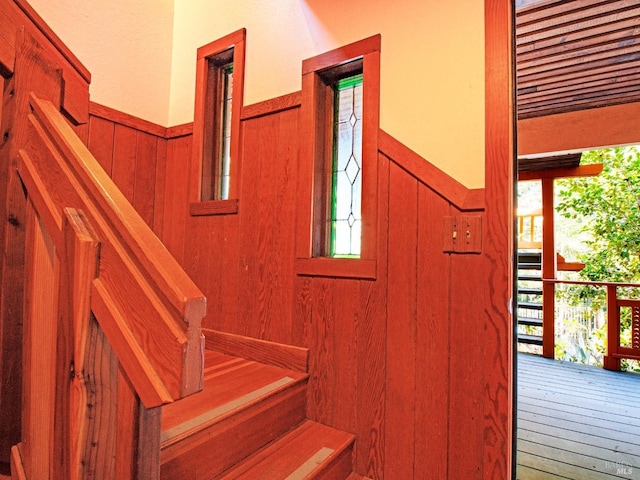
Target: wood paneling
{"x": 414, "y": 358}
{"x": 393, "y": 357}
{"x": 133, "y": 152}
{"x": 33, "y": 72}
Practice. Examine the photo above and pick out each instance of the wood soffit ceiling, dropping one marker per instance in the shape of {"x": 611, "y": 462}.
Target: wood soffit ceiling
{"x": 576, "y": 54}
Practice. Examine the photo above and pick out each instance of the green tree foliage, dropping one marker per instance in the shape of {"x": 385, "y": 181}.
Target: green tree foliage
{"x": 609, "y": 205}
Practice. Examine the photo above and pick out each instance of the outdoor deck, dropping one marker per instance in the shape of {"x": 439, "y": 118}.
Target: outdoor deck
{"x": 576, "y": 422}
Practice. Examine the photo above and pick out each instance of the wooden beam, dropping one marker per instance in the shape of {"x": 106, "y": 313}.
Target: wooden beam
{"x": 581, "y": 130}
{"x": 581, "y": 171}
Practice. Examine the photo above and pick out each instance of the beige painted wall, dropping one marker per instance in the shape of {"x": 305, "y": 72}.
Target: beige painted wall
{"x": 432, "y": 85}
{"x": 142, "y": 57}
{"x": 125, "y": 44}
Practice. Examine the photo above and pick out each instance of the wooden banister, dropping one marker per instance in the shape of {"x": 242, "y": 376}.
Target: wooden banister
{"x": 112, "y": 322}
{"x": 137, "y": 273}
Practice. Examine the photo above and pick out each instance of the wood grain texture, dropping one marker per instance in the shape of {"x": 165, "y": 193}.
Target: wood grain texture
{"x": 401, "y": 336}
{"x": 124, "y": 160}
{"x": 271, "y": 353}
{"x": 466, "y": 381}
{"x": 272, "y": 106}
{"x": 130, "y": 259}
{"x": 101, "y": 138}
{"x": 39, "y": 354}
{"x": 78, "y": 267}
{"x": 33, "y": 72}
{"x": 497, "y": 271}
{"x": 145, "y": 176}
{"x": 430, "y": 175}
{"x": 433, "y": 340}
{"x": 111, "y": 115}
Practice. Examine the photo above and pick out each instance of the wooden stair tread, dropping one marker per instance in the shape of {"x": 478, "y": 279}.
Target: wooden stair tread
{"x": 532, "y": 322}
{"x": 357, "y": 476}
{"x": 229, "y": 383}
{"x": 530, "y": 339}
{"x": 302, "y": 453}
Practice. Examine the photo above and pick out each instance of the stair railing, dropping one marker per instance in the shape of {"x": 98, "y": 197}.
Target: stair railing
{"x": 615, "y": 349}
{"x": 112, "y": 323}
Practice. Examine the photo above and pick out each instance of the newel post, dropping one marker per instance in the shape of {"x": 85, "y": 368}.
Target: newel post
{"x": 79, "y": 266}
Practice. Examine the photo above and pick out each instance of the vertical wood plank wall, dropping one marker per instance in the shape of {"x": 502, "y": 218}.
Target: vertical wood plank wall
{"x": 399, "y": 360}
{"x": 394, "y": 360}
{"x": 131, "y": 151}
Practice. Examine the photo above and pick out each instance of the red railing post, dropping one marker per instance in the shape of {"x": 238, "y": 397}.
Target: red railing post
{"x": 613, "y": 329}
{"x": 548, "y": 270}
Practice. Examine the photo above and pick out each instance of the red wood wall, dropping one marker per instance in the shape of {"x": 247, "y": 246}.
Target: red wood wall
{"x": 132, "y": 152}
{"x": 393, "y": 360}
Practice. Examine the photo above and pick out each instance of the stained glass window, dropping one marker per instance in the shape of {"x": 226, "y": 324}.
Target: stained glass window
{"x": 346, "y": 192}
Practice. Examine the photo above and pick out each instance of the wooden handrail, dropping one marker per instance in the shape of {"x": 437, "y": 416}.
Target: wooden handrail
{"x": 144, "y": 301}
{"x": 615, "y": 351}
{"x": 126, "y": 318}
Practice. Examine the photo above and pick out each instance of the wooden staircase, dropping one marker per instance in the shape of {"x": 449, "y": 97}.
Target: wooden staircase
{"x": 249, "y": 423}
{"x": 530, "y": 297}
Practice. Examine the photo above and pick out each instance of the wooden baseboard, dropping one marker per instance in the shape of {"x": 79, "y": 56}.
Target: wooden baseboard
{"x": 271, "y": 353}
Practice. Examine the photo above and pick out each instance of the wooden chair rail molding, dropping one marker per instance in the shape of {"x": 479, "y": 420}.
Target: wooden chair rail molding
{"x": 465, "y": 199}
{"x": 148, "y": 307}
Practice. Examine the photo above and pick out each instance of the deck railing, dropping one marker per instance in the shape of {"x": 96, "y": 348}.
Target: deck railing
{"x": 615, "y": 351}
{"x": 112, "y": 323}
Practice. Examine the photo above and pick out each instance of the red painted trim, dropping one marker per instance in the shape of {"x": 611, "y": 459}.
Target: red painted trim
{"x": 272, "y": 106}
{"x": 116, "y": 116}
{"x": 430, "y": 175}
{"x": 499, "y": 241}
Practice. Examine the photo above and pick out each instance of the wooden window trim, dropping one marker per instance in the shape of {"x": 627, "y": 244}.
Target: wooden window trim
{"x": 317, "y": 73}
{"x": 208, "y": 57}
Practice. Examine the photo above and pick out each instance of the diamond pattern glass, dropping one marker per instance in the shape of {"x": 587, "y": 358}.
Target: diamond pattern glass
{"x": 346, "y": 212}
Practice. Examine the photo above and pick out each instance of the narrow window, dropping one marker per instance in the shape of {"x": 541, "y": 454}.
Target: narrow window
{"x": 346, "y": 189}
{"x": 214, "y": 183}
{"x": 216, "y": 160}
{"x": 339, "y": 119}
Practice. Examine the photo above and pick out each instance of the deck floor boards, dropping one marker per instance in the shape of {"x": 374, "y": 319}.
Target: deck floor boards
{"x": 576, "y": 421}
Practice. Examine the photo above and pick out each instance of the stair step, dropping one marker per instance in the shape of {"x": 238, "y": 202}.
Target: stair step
{"x": 244, "y": 405}
{"x": 530, "y": 339}
{"x": 529, "y": 291}
{"x": 311, "y": 451}
{"x": 529, "y": 266}
{"x": 531, "y": 322}
{"x": 357, "y": 476}
{"x": 530, "y": 278}
{"x": 530, "y": 305}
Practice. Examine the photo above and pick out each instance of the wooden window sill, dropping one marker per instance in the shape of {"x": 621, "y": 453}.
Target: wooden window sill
{"x": 337, "y": 268}
{"x": 214, "y": 207}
